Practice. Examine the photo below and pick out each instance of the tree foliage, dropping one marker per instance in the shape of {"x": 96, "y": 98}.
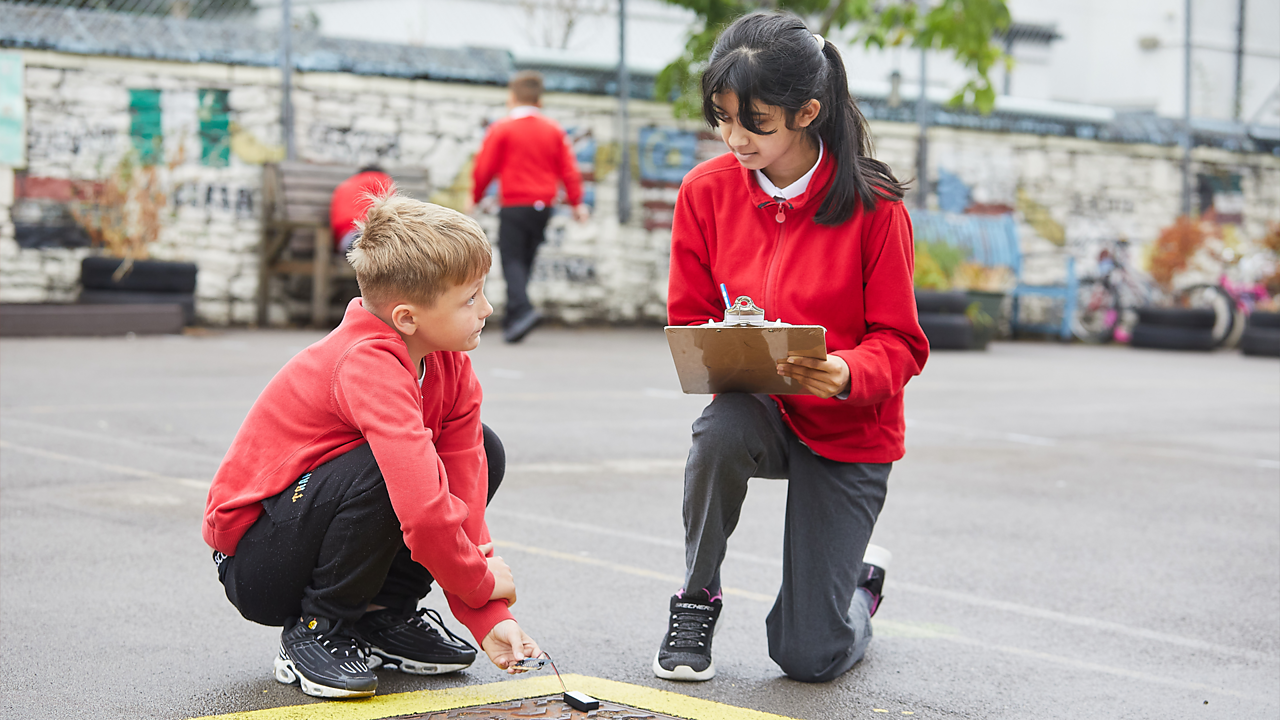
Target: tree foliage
{"x": 967, "y": 28}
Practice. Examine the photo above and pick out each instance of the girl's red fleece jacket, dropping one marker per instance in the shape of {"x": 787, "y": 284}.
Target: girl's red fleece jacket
{"x": 358, "y": 385}
{"x": 854, "y": 279}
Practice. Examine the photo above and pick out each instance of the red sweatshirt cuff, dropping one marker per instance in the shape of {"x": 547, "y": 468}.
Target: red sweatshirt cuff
{"x": 479, "y": 621}
{"x": 478, "y": 597}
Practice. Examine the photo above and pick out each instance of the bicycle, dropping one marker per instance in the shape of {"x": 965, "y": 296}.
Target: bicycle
{"x": 1107, "y": 304}
{"x": 1231, "y": 302}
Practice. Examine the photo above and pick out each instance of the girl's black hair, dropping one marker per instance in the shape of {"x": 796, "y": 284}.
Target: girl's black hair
{"x": 774, "y": 58}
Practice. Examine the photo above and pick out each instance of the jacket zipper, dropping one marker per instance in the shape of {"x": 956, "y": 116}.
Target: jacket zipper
{"x": 781, "y": 219}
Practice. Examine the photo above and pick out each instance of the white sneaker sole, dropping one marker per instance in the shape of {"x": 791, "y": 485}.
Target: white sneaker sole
{"x": 414, "y": 667}
{"x": 287, "y": 674}
{"x": 878, "y": 556}
{"x": 684, "y": 673}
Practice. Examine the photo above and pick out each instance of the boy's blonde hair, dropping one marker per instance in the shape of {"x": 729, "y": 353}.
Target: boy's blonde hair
{"x": 415, "y": 251}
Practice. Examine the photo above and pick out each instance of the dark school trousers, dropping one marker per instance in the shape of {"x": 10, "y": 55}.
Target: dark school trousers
{"x": 330, "y": 545}
{"x": 520, "y": 231}
{"x": 820, "y": 625}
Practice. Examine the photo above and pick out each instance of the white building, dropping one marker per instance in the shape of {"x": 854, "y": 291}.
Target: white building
{"x": 1123, "y": 55}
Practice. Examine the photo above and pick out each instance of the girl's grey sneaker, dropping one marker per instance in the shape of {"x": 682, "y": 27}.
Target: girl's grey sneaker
{"x": 686, "y": 650}
{"x": 875, "y": 561}
{"x": 409, "y": 643}
{"x": 325, "y": 659}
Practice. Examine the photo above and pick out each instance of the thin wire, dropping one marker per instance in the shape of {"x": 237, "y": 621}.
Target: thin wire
{"x": 557, "y": 671}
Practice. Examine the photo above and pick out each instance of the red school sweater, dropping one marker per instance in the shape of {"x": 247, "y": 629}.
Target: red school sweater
{"x": 854, "y": 279}
{"x": 529, "y": 155}
{"x": 358, "y": 385}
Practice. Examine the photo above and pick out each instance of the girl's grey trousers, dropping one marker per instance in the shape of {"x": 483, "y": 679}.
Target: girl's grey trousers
{"x": 820, "y": 624}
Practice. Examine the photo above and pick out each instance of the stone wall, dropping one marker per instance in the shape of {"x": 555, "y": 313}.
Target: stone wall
{"x": 85, "y": 114}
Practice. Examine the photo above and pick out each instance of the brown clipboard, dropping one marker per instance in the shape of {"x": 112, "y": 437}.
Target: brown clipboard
{"x": 738, "y": 358}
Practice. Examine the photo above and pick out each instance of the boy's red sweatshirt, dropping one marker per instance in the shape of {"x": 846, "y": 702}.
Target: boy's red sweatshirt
{"x": 355, "y": 386}
{"x": 854, "y": 279}
{"x": 530, "y": 155}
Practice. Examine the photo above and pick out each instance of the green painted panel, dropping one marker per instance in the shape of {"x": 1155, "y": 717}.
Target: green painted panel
{"x": 144, "y": 128}
{"x": 215, "y": 138}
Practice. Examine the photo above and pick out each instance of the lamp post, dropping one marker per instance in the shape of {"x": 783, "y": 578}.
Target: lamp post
{"x": 922, "y": 147}
{"x": 1186, "y": 114}
{"x": 624, "y": 92}
{"x": 286, "y": 80}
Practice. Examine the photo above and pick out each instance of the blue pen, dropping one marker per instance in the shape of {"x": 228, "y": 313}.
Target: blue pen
{"x": 725, "y": 294}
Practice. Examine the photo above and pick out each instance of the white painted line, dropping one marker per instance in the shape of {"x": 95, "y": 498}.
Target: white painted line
{"x": 1020, "y": 438}
{"x": 950, "y": 595}
{"x": 1098, "y": 446}
{"x": 1093, "y": 623}
{"x": 126, "y": 407}
{"x": 112, "y": 440}
{"x": 637, "y": 466}
{"x": 120, "y": 469}
{"x": 904, "y": 629}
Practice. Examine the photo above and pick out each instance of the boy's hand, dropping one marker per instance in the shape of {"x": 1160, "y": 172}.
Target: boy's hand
{"x": 581, "y": 213}
{"x": 504, "y": 585}
{"x": 507, "y": 644}
{"x": 824, "y": 378}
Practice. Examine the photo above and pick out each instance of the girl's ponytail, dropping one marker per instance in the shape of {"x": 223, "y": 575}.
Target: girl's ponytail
{"x": 845, "y": 133}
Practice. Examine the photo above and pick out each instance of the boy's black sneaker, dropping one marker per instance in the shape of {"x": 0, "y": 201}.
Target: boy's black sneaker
{"x": 326, "y": 659}
{"x": 521, "y": 326}
{"x": 875, "y": 561}
{"x": 686, "y": 650}
{"x": 409, "y": 643}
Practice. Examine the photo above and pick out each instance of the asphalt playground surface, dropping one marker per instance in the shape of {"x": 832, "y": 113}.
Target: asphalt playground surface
{"x": 1077, "y": 531}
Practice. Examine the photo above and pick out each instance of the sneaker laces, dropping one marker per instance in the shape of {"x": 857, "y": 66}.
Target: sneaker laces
{"x": 334, "y": 640}
{"x": 419, "y": 619}
{"x": 688, "y": 630}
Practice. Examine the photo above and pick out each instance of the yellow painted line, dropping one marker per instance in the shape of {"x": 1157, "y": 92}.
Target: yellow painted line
{"x": 425, "y": 701}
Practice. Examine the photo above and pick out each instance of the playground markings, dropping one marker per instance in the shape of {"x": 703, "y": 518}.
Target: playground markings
{"x": 425, "y": 701}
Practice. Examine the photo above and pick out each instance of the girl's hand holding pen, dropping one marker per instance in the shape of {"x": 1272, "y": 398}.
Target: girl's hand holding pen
{"x": 824, "y": 378}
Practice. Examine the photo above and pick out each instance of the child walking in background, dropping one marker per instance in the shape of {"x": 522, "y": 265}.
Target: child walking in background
{"x": 799, "y": 217}
{"x": 362, "y": 471}
{"x": 530, "y": 155}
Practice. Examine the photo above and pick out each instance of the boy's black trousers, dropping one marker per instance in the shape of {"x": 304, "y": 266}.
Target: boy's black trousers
{"x": 330, "y": 545}
{"x": 521, "y": 229}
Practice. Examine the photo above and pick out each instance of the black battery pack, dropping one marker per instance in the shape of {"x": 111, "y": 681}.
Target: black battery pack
{"x": 581, "y": 701}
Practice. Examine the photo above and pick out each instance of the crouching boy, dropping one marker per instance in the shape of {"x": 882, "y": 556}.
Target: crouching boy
{"x": 362, "y": 472}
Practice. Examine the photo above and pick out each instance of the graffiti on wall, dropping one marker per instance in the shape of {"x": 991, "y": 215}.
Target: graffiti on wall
{"x": 215, "y": 128}
{"x": 42, "y": 211}
{"x": 52, "y": 212}
{"x": 215, "y": 197}
{"x": 1220, "y": 197}
{"x": 665, "y": 156}
{"x": 348, "y": 146}
{"x": 46, "y": 143}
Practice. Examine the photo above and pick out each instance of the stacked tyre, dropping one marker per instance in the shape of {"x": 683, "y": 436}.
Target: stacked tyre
{"x": 142, "y": 282}
{"x": 1262, "y": 335}
{"x": 944, "y": 320}
{"x": 1175, "y": 329}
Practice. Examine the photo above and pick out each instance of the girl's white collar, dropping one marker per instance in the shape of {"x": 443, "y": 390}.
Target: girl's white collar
{"x": 796, "y": 188}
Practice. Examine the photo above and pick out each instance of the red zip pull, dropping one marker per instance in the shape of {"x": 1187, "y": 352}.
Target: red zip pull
{"x": 780, "y": 217}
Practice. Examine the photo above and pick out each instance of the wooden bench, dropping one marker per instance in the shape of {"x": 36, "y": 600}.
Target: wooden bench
{"x": 296, "y": 239}
{"x": 992, "y": 240}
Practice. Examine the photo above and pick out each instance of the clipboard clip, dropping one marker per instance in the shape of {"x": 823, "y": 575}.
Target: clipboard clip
{"x": 743, "y": 312}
